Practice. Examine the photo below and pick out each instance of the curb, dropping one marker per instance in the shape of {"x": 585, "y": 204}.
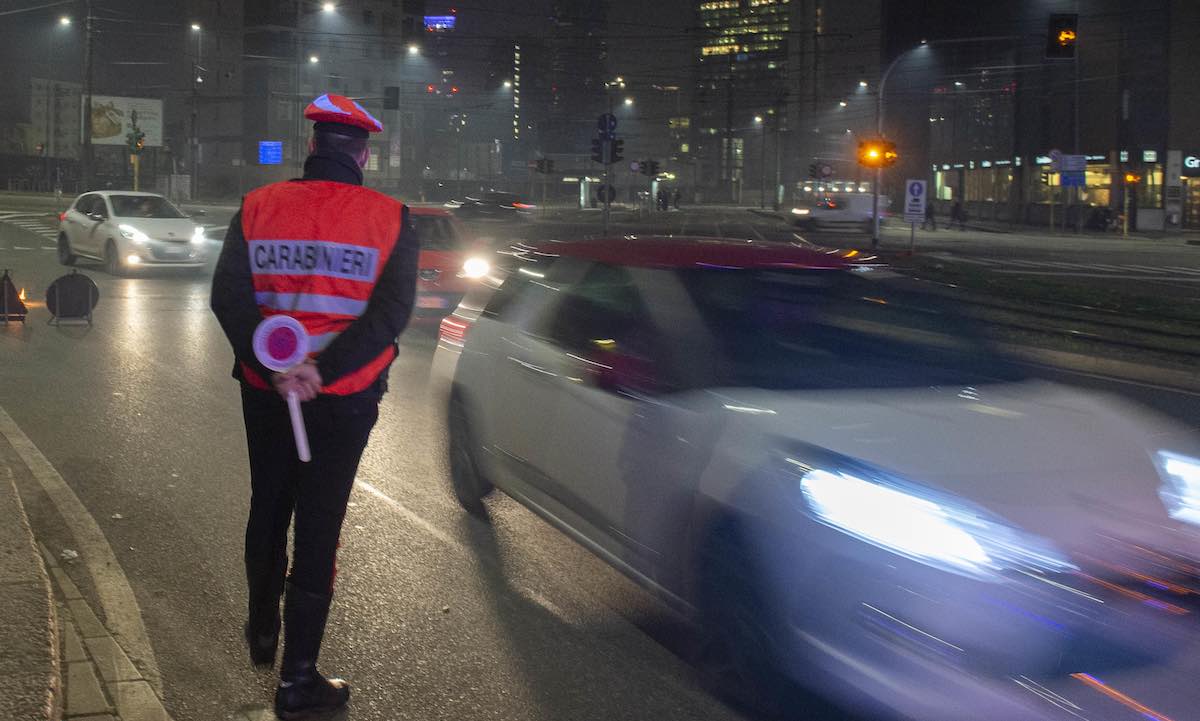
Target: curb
{"x": 102, "y": 684}
{"x": 30, "y": 675}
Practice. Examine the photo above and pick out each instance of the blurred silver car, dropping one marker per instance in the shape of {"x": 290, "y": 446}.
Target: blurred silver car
{"x": 808, "y": 455}
{"x": 127, "y": 230}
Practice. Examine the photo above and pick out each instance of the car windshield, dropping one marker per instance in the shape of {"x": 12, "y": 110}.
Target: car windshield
{"x": 437, "y": 232}
{"x": 144, "y": 206}
{"x": 791, "y": 330}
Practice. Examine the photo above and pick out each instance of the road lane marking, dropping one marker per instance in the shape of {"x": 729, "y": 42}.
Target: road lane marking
{"x": 409, "y": 514}
{"x": 120, "y": 606}
{"x": 1111, "y": 276}
{"x": 526, "y": 592}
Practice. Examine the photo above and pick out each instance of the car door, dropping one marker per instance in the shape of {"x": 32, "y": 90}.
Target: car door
{"x": 95, "y": 227}
{"x": 79, "y": 223}
{"x": 527, "y": 371}
{"x": 611, "y": 417}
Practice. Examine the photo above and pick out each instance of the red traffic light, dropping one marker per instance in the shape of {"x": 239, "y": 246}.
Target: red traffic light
{"x": 429, "y": 88}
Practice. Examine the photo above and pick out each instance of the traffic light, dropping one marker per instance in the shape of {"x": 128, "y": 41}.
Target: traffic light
{"x": 813, "y": 172}
{"x": 549, "y": 165}
{"x": 1061, "y": 36}
{"x": 877, "y": 153}
{"x": 618, "y": 150}
{"x": 1045, "y": 177}
{"x": 597, "y": 150}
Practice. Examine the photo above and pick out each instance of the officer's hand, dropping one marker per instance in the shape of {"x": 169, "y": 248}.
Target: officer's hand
{"x": 285, "y": 384}
{"x": 308, "y": 378}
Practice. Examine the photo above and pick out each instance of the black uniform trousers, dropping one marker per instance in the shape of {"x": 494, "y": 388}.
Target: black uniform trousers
{"x": 315, "y": 493}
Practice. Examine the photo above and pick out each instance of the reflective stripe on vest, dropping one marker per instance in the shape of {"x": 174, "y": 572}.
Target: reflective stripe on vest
{"x": 310, "y": 303}
{"x": 316, "y": 251}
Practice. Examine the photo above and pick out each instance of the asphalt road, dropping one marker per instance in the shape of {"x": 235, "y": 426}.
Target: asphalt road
{"x": 437, "y": 616}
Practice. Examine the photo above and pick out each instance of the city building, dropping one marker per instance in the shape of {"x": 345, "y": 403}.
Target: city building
{"x": 985, "y": 117}
{"x": 780, "y": 85}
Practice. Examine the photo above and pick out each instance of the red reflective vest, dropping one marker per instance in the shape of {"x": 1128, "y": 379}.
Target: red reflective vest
{"x": 316, "y": 251}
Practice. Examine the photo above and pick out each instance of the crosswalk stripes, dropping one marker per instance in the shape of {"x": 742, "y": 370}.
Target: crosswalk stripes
{"x": 33, "y": 223}
{"x": 1066, "y": 269}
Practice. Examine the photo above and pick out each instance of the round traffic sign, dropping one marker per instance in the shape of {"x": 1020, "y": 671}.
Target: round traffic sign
{"x": 916, "y": 190}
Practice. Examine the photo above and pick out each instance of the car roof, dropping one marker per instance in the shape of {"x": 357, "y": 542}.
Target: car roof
{"x": 429, "y": 211}
{"x": 666, "y": 251}
{"x": 109, "y": 193}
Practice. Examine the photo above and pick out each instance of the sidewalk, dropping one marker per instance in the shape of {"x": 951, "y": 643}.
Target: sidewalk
{"x": 30, "y": 678}
{"x": 59, "y": 658}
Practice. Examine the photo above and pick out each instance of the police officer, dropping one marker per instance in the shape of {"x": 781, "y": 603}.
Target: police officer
{"x": 342, "y": 260}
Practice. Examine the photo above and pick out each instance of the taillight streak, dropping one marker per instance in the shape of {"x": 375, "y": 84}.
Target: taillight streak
{"x": 453, "y": 330}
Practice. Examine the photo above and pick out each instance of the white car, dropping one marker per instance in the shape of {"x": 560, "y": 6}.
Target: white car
{"x": 847, "y": 492}
{"x": 840, "y": 211}
{"x": 127, "y": 230}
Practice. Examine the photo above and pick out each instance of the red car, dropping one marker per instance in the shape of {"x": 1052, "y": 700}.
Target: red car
{"x": 451, "y": 259}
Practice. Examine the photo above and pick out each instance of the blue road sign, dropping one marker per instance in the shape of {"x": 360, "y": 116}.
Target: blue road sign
{"x": 270, "y": 152}
{"x": 1069, "y": 179}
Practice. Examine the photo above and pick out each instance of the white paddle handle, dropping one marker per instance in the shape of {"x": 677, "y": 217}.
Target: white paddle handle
{"x": 293, "y": 403}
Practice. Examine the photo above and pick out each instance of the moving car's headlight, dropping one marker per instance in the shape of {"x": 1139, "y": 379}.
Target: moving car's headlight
{"x": 1181, "y": 486}
{"x": 800, "y": 211}
{"x": 476, "y": 268}
{"x": 921, "y": 524}
{"x": 132, "y": 233}
{"x": 198, "y": 235}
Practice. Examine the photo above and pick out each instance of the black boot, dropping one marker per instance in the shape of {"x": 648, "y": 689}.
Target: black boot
{"x": 263, "y": 642}
{"x": 265, "y": 587}
{"x": 302, "y": 689}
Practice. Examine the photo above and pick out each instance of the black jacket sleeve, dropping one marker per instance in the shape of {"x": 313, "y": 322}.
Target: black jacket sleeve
{"x": 386, "y": 315}
{"x": 233, "y": 297}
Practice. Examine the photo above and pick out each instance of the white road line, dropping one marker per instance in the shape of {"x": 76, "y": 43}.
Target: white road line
{"x": 1113, "y": 276}
{"x": 20, "y": 247}
{"x": 120, "y": 606}
{"x": 409, "y": 514}
{"x": 528, "y": 593}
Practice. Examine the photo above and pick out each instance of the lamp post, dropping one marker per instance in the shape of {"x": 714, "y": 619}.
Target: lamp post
{"x": 194, "y": 143}
{"x": 762, "y": 164}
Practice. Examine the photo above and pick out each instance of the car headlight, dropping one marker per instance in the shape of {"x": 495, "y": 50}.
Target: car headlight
{"x": 132, "y": 233}
{"x": 198, "y": 235}
{"x": 1180, "y": 491}
{"x": 475, "y": 268}
{"x": 921, "y": 524}
{"x": 800, "y": 211}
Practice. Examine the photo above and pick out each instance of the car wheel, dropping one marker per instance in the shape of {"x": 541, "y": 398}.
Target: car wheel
{"x": 112, "y": 259}
{"x": 738, "y": 656}
{"x": 65, "y": 256}
{"x": 466, "y": 480}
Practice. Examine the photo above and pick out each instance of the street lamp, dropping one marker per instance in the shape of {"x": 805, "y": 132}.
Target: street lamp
{"x": 194, "y": 155}
{"x": 64, "y": 20}
{"x": 842, "y": 104}
{"x": 628, "y": 102}
{"x": 313, "y": 59}
{"x": 862, "y": 83}
{"x": 413, "y": 49}
{"x": 507, "y": 84}
{"x": 762, "y": 162}
{"x": 328, "y": 7}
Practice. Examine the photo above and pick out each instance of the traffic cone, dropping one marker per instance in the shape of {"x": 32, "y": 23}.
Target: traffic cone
{"x": 11, "y": 306}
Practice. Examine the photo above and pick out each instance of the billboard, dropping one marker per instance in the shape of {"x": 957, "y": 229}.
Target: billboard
{"x": 439, "y": 23}
{"x": 112, "y": 118}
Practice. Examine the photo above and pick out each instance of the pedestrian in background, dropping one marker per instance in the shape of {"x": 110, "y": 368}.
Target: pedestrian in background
{"x": 342, "y": 260}
{"x": 930, "y": 217}
{"x": 958, "y": 215}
